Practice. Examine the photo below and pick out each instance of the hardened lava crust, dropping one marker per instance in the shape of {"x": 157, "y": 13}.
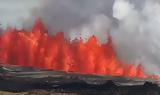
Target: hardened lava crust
{"x": 18, "y": 79}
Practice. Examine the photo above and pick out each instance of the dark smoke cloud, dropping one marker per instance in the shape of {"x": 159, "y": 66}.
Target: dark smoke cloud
{"x": 133, "y": 24}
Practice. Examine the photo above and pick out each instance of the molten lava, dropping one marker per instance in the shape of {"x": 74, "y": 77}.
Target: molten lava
{"x": 40, "y": 50}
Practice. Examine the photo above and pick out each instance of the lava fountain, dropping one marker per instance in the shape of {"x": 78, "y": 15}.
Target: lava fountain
{"x": 39, "y": 50}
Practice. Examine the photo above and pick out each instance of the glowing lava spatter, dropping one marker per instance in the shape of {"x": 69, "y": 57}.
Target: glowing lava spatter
{"x": 40, "y": 50}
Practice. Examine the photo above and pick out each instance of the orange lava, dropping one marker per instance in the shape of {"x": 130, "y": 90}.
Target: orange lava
{"x": 40, "y": 50}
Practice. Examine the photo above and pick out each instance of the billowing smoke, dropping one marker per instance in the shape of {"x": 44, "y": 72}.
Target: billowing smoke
{"x": 82, "y": 17}
{"x": 133, "y": 24}
{"x": 137, "y": 38}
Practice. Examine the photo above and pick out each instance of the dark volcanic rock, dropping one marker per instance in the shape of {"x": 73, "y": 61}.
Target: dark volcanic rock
{"x": 81, "y": 88}
{"x": 150, "y": 85}
{"x": 18, "y": 79}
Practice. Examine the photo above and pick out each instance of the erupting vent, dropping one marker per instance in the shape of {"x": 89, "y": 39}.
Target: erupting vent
{"x": 40, "y": 50}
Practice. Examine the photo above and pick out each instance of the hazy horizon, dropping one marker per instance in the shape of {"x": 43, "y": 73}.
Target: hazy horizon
{"x": 13, "y": 11}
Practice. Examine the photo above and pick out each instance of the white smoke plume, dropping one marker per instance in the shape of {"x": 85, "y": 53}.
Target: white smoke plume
{"x": 133, "y": 24}
{"x": 137, "y": 38}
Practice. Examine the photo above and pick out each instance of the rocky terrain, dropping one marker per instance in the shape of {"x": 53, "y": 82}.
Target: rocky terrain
{"x": 28, "y": 81}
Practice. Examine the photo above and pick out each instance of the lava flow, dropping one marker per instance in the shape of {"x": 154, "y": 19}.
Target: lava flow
{"x": 39, "y": 50}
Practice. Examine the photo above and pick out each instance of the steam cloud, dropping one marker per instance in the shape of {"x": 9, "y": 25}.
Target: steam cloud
{"x": 133, "y": 24}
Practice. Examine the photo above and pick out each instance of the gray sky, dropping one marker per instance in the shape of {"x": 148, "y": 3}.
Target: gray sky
{"x": 13, "y": 11}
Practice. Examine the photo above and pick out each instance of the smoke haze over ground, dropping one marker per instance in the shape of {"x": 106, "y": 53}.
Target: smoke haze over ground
{"x": 133, "y": 24}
